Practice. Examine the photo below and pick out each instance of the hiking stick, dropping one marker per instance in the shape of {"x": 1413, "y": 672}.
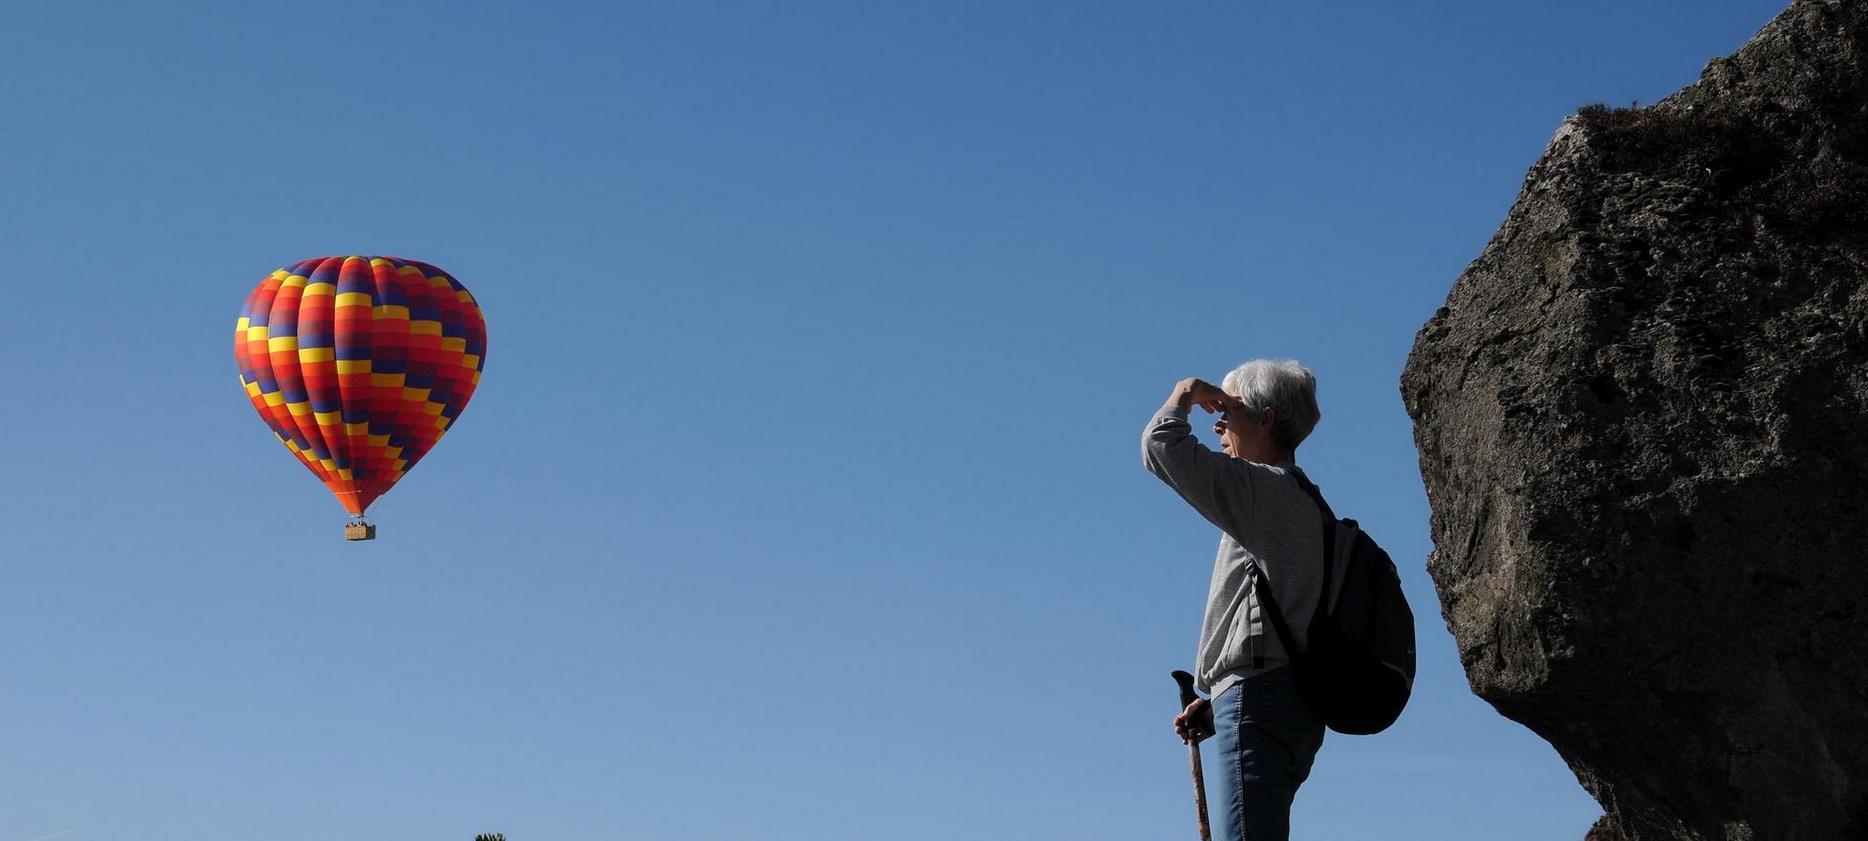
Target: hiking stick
{"x": 1188, "y": 696}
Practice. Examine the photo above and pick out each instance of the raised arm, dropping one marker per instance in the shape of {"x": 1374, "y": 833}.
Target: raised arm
{"x": 1215, "y": 484}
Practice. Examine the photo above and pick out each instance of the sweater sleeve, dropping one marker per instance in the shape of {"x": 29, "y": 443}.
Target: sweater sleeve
{"x": 1215, "y": 484}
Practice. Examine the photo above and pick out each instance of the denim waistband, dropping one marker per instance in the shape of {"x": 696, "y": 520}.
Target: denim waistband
{"x": 1234, "y": 677}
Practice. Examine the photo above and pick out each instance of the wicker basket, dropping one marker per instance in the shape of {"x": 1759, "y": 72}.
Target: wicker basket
{"x": 360, "y": 531}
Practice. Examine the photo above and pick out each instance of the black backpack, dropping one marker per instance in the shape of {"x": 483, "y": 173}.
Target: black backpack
{"x": 1358, "y": 670}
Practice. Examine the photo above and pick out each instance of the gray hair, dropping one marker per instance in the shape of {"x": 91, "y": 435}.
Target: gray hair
{"x": 1285, "y": 387}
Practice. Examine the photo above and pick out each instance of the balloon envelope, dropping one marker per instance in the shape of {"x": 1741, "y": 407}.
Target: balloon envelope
{"x": 359, "y": 365}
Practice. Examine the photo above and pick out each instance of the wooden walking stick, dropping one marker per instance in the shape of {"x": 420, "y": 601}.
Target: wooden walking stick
{"x": 1188, "y": 696}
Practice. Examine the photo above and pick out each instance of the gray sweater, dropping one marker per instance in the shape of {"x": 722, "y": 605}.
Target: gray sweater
{"x": 1263, "y": 516}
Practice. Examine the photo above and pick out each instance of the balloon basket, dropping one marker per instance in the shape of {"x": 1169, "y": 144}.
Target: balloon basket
{"x": 360, "y": 531}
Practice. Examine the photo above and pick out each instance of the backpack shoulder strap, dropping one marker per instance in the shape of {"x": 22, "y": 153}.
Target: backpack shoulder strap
{"x": 1324, "y": 607}
{"x": 1261, "y": 590}
{"x": 1261, "y": 586}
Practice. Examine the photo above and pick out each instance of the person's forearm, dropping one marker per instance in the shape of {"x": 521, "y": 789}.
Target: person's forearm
{"x": 1169, "y": 435}
{"x": 1181, "y": 397}
{"x": 1169, "y": 448}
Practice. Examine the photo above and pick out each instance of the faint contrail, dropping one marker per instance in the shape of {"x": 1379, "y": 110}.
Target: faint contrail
{"x": 54, "y": 835}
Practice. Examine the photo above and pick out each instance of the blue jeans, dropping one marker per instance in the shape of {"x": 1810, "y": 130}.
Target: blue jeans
{"x": 1266, "y": 739}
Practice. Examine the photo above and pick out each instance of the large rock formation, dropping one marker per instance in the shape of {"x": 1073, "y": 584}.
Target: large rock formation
{"x": 1641, "y": 425}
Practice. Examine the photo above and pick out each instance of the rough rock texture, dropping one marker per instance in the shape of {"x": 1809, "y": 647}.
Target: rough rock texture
{"x": 1641, "y": 424}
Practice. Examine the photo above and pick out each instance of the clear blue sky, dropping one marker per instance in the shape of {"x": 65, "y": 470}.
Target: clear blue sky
{"x": 801, "y": 498}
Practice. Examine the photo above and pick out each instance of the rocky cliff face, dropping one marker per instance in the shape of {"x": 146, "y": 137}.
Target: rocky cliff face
{"x": 1641, "y": 418}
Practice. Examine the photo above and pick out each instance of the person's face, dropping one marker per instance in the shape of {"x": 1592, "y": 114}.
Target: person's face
{"x": 1234, "y": 427}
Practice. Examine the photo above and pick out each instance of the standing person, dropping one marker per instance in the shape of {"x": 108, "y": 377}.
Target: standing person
{"x": 1264, "y": 735}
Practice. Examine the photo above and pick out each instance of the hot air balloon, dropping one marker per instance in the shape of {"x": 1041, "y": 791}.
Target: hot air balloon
{"x": 359, "y": 365}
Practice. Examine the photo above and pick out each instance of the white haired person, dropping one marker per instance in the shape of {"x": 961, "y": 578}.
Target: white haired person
{"x": 1264, "y": 736}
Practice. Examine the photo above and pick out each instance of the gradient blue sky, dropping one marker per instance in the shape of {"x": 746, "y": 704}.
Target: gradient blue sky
{"x": 801, "y": 498}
